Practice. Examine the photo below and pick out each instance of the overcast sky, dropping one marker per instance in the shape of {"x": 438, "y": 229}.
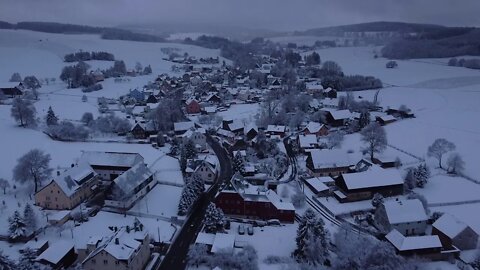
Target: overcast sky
{"x": 267, "y": 14}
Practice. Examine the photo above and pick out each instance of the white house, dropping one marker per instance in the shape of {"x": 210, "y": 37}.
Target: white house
{"x": 408, "y": 217}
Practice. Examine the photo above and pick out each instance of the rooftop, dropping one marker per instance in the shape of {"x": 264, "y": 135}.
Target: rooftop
{"x": 405, "y": 211}
{"x": 450, "y": 225}
{"x": 373, "y": 177}
{"x": 117, "y": 159}
{"x": 403, "y": 243}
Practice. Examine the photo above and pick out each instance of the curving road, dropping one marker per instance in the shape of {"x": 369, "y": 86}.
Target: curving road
{"x": 176, "y": 257}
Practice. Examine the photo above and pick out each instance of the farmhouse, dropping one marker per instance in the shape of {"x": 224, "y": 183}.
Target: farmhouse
{"x": 130, "y": 187}
{"x": 453, "y": 232}
{"x": 307, "y": 142}
{"x": 328, "y": 162}
{"x": 68, "y": 189}
{"x": 197, "y": 136}
{"x": 338, "y": 118}
{"x": 109, "y": 165}
{"x": 124, "y": 249}
{"x": 427, "y": 245}
{"x": 276, "y": 130}
{"x": 193, "y": 106}
{"x": 363, "y": 185}
{"x": 316, "y": 129}
{"x": 181, "y": 127}
{"x": 12, "y": 90}
{"x": 407, "y": 217}
{"x": 240, "y": 198}
{"x": 206, "y": 168}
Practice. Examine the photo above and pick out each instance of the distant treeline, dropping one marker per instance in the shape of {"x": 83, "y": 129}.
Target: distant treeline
{"x": 448, "y": 42}
{"x": 87, "y": 56}
{"x": 61, "y": 28}
{"x": 467, "y": 63}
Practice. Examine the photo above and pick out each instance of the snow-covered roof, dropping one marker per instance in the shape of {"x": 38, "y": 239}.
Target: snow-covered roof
{"x": 314, "y": 127}
{"x": 387, "y": 118}
{"x": 189, "y": 133}
{"x": 58, "y": 215}
{"x": 275, "y": 128}
{"x": 317, "y": 184}
{"x": 405, "y": 211}
{"x": 210, "y": 109}
{"x": 223, "y": 241}
{"x": 205, "y": 238}
{"x": 330, "y": 159}
{"x": 236, "y": 125}
{"x": 450, "y": 225}
{"x": 373, "y": 177}
{"x": 307, "y": 141}
{"x": 183, "y": 126}
{"x": 340, "y": 114}
{"x": 403, "y": 243}
{"x": 9, "y": 85}
{"x": 132, "y": 178}
{"x": 34, "y": 245}
{"x": 314, "y": 103}
{"x": 73, "y": 178}
{"x": 225, "y": 133}
{"x": 278, "y": 202}
{"x": 116, "y": 159}
{"x": 56, "y": 251}
{"x": 314, "y": 86}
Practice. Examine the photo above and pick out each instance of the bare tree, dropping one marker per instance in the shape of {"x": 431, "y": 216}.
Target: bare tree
{"x": 23, "y": 112}
{"x": 455, "y": 163}
{"x": 335, "y": 139}
{"x": 375, "y": 137}
{"x": 439, "y": 148}
{"x": 33, "y": 166}
{"x": 4, "y": 184}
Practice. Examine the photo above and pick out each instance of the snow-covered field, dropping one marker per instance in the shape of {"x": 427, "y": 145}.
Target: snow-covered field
{"x": 162, "y": 201}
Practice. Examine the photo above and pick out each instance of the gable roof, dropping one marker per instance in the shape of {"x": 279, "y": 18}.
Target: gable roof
{"x": 450, "y": 225}
{"x": 340, "y": 114}
{"x": 183, "y": 126}
{"x": 73, "y": 178}
{"x": 330, "y": 159}
{"x": 307, "y": 140}
{"x": 373, "y": 177}
{"x": 314, "y": 127}
{"x": 403, "y": 243}
{"x": 405, "y": 211}
{"x": 275, "y": 128}
{"x": 116, "y": 159}
{"x": 132, "y": 178}
{"x": 56, "y": 252}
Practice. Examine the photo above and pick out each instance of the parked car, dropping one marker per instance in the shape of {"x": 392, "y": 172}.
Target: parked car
{"x": 260, "y": 223}
{"x": 250, "y": 229}
{"x": 241, "y": 229}
{"x": 274, "y": 222}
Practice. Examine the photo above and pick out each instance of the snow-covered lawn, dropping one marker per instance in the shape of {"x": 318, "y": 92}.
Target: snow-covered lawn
{"x": 162, "y": 200}
{"x": 17, "y": 141}
{"x": 447, "y": 189}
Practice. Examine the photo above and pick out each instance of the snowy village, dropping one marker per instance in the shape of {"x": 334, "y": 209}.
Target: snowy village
{"x": 350, "y": 147}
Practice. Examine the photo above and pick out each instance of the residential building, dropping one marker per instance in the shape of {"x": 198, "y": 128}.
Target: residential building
{"x": 109, "y": 165}
{"x": 125, "y": 249}
{"x": 453, "y": 232}
{"x": 328, "y": 162}
{"x": 363, "y": 185}
{"x": 424, "y": 246}
{"x": 316, "y": 129}
{"x": 59, "y": 255}
{"x": 406, "y": 216}
{"x": 68, "y": 188}
{"x": 12, "y": 89}
{"x": 243, "y": 199}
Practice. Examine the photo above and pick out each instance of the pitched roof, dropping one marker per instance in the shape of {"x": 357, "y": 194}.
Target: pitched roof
{"x": 314, "y": 127}
{"x": 275, "y": 128}
{"x": 278, "y": 202}
{"x": 223, "y": 241}
{"x": 73, "y": 178}
{"x": 340, "y": 114}
{"x": 132, "y": 178}
{"x": 317, "y": 184}
{"x": 183, "y": 126}
{"x": 403, "y": 243}
{"x": 307, "y": 140}
{"x": 330, "y": 159}
{"x": 450, "y": 225}
{"x": 405, "y": 211}
{"x": 373, "y": 177}
{"x": 56, "y": 251}
{"x": 116, "y": 159}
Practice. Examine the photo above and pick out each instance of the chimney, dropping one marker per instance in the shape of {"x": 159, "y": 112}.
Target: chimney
{"x": 117, "y": 242}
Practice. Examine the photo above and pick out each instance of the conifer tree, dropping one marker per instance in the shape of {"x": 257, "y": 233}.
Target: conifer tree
{"x": 51, "y": 118}
{"x": 17, "y": 226}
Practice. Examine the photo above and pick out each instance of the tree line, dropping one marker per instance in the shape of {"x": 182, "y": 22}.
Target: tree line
{"x": 87, "y": 56}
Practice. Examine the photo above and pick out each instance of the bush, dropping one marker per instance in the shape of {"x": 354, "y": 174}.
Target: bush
{"x": 67, "y": 131}
{"x": 298, "y": 199}
{"x": 95, "y": 87}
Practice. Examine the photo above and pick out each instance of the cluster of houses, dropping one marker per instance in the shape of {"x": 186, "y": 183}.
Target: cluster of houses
{"x": 123, "y": 177}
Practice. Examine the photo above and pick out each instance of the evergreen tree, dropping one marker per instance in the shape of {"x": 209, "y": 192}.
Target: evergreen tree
{"x": 238, "y": 164}
{"x": 6, "y": 263}
{"x": 364, "y": 119}
{"x": 312, "y": 239}
{"x": 193, "y": 188}
{"x": 16, "y": 77}
{"x": 410, "y": 181}
{"x": 214, "y": 219}
{"x": 27, "y": 261}
{"x": 189, "y": 148}
{"x": 30, "y": 218}
{"x": 51, "y": 118}
{"x": 17, "y": 227}
{"x": 183, "y": 160}
{"x": 421, "y": 174}
{"x": 147, "y": 70}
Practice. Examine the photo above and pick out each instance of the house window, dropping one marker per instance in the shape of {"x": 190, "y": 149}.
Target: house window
{"x": 94, "y": 261}
{"x": 105, "y": 261}
{"x": 209, "y": 175}
{"x": 117, "y": 262}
